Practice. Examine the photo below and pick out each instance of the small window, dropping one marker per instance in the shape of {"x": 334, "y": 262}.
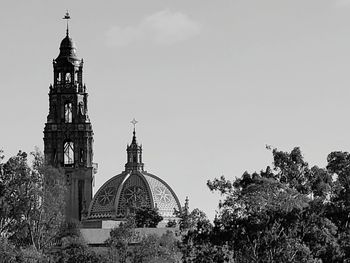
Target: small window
{"x": 76, "y": 77}
{"x": 81, "y": 155}
{"x": 68, "y": 77}
{"x": 68, "y": 153}
{"x": 68, "y": 112}
{"x": 54, "y": 157}
{"x": 59, "y": 77}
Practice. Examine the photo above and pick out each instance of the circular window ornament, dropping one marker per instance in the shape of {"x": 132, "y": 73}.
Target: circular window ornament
{"x": 135, "y": 196}
{"x": 106, "y": 196}
{"x": 162, "y": 194}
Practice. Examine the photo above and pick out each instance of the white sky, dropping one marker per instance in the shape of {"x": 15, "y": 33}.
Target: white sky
{"x": 210, "y": 82}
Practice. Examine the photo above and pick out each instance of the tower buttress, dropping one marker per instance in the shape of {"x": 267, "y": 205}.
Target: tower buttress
{"x": 68, "y": 135}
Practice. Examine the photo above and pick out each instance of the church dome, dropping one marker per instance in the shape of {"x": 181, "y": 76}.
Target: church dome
{"x": 67, "y": 43}
{"x": 68, "y": 51}
{"x": 131, "y": 189}
{"x": 123, "y": 192}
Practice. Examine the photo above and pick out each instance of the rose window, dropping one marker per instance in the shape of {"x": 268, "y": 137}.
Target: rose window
{"x": 135, "y": 196}
{"x": 162, "y": 194}
{"x": 106, "y": 196}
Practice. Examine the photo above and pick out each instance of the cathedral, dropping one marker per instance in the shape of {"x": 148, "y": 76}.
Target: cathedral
{"x": 68, "y": 144}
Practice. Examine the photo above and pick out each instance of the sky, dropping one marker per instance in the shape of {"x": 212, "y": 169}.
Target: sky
{"x": 210, "y": 82}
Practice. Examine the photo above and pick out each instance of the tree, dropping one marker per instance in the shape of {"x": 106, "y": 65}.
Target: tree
{"x": 258, "y": 220}
{"x": 171, "y": 223}
{"x": 120, "y": 238}
{"x": 287, "y": 213}
{"x": 153, "y": 248}
{"x": 147, "y": 217}
{"x": 7, "y": 251}
{"x": 49, "y": 214}
{"x": 33, "y": 201}
{"x": 190, "y": 220}
{"x": 70, "y": 247}
{"x": 338, "y": 209}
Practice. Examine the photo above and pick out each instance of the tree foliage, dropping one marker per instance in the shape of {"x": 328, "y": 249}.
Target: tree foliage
{"x": 189, "y": 220}
{"x": 7, "y": 251}
{"x": 153, "y": 248}
{"x": 147, "y": 217}
{"x": 32, "y": 199}
{"x": 71, "y": 247}
{"x": 120, "y": 239}
{"x": 32, "y": 203}
{"x": 150, "y": 248}
{"x": 287, "y": 213}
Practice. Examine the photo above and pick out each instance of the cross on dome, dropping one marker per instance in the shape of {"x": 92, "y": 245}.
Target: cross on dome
{"x": 67, "y": 17}
{"x": 134, "y": 122}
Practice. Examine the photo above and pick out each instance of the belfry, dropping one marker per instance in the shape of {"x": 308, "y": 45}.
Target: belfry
{"x": 68, "y": 135}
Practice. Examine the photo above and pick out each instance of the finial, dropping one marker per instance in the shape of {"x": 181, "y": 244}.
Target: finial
{"x": 134, "y": 122}
{"x": 67, "y": 17}
{"x": 186, "y": 202}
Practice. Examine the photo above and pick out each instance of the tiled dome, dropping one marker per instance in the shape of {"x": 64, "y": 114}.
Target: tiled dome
{"x": 131, "y": 189}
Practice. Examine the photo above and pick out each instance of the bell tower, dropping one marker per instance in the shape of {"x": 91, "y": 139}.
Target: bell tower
{"x": 68, "y": 135}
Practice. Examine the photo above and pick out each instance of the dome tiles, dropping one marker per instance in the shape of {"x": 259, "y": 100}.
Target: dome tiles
{"x": 119, "y": 195}
{"x": 131, "y": 189}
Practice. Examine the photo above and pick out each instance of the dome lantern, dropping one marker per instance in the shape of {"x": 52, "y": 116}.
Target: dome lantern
{"x": 134, "y": 153}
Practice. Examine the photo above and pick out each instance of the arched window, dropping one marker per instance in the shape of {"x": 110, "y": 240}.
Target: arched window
{"x": 68, "y": 112}
{"x": 59, "y": 77}
{"x": 76, "y": 77}
{"x": 68, "y": 153}
{"x": 68, "y": 77}
{"x": 81, "y": 156}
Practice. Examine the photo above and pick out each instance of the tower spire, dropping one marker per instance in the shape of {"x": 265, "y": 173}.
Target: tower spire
{"x": 67, "y": 17}
{"x": 134, "y": 122}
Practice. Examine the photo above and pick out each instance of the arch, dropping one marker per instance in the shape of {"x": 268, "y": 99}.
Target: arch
{"x": 68, "y": 112}
{"x": 95, "y": 210}
{"x": 81, "y": 155}
{"x": 68, "y": 153}
{"x": 58, "y": 77}
{"x": 135, "y": 183}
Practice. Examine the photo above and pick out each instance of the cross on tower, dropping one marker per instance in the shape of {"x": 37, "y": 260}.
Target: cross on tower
{"x": 67, "y": 17}
{"x": 134, "y": 122}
